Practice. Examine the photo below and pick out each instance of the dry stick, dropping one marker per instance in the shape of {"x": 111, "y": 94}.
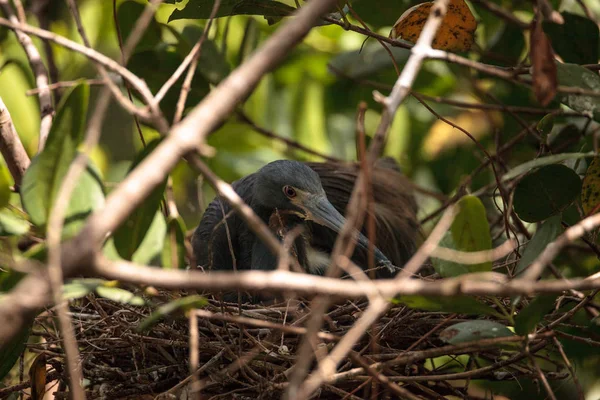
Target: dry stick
{"x": 11, "y": 147}
{"x": 475, "y": 257}
{"x": 377, "y": 307}
{"x": 136, "y": 120}
{"x": 400, "y": 391}
{"x": 541, "y": 376}
{"x": 344, "y": 245}
{"x": 187, "y": 82}
{"x": 39, "y": 71}
{"x": 137, "y": 83}
{"x": 67, "y": 84}
{"x": 194, "y": 353}
{"x": 283, "y": 281}
{"x": 573, "y": 233}
{"x": 292, "y": 143}
{"x": 561, "y": 350}
{"x": 296, "y": 330}
{"x": 502, "y": 13}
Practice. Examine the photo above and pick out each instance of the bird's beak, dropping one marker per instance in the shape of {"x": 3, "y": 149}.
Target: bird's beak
{"x": 322, "y": 212}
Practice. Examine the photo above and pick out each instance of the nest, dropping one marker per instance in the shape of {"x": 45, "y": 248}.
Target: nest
{"x": 245, "y": 353}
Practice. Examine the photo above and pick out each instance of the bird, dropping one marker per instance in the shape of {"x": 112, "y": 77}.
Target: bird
{"x": 286, "y": 194}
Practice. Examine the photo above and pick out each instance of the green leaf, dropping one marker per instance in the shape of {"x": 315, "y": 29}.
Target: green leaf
{"x": 542, "y": 161}
{"x": 78, "y": 288}
{"x": 127, "y": 16}
{"x": 130, "y": 234}
{"x": 457, "y": 304}
{"x": 149, "y": 251}
{"x": 531, "y": 315}
{"x": 44, "y": 176}
{"x": 474, "y": 330}
{"x": 8, "y": 279}
{"x": 164, "y": 61}
{"x": 120, "y": 295}
{"x": 566, "y": 139}
{"x": 173, "y": 254}
{"x": 543, "y": 236}
{"x": 544, "y": 127}
{"x": 507, "y": 49}
{"x": 5, "y": 181}
{"x": 448, "y": 268}
{"x": 382, "y": 13}
{"x": 367, "y": 61}
{"x": 184, "y": 303}
{"x": 470, "y": 231}
{"x": 12, "y": 224}
{"x": 201, "y": 9}
{"x": 576, "y": 41}
{"x": 212, "y": 64}
{"x": 575, "y": 76}
{"x": 11, "y": 351}
{"x": 546, "y": 192}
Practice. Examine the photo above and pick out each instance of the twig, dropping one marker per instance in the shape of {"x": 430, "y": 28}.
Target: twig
{"x": 563, "y": 355}
{"x": 292, "y": 143}
{"x": 11, "y": 147}
{"x": 194, "y": 353}
{"x": 39, "y": 71}
{"x": 192, "y": 58}
{"x": 541, "y": 376}
{"x": 137, "y": 83}
{"x": 502, "y": 13}
{"x": 475, "y": 257}
{"x": 283, "y": 281}
{"x": 551, "y": 251}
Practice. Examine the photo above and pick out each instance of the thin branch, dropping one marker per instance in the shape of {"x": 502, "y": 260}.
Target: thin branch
{"x": 536, "y": 269}
{"x": 11, "y": 147}
{"x": 138, "y": 84}
{"x": 475, "y": 257}
{"x": 39, "y": 71}
{"x": 187, "y": 82}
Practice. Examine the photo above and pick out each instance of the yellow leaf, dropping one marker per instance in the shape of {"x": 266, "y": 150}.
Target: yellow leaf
{"x": 590, "y": 190}
{"x": 37, "y": 377}
{"x": 455, "y": 34}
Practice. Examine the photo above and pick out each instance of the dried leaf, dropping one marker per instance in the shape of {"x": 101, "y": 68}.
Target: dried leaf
{"x": 37, "y": 376}
{"x": 457, "y": 32}
{"x": 544, "y": 72}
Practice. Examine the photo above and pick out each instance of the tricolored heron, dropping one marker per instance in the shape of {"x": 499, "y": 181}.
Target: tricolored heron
{"x": 312, "y": 195}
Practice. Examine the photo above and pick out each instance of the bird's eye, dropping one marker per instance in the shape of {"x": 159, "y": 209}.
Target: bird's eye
{"x": 289, "y": 191}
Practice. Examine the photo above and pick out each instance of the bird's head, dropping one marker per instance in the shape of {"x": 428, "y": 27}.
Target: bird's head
{"x": 293, "y": 187}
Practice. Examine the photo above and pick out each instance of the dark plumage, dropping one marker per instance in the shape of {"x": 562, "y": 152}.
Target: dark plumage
{"x": 268, "y": 190}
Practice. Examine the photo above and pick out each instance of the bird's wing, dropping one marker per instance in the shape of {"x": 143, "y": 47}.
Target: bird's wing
{"x": 211, "y": 244}
{"x": 397, "y": 228}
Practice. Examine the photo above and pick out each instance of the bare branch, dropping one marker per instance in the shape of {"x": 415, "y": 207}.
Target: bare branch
{"x": 11, "y": 147}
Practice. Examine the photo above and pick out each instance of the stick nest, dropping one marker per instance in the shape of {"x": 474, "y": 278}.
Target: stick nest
{"x": 252, "y": 361}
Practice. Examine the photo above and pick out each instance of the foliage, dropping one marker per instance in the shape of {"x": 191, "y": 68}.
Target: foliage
{"x": 508, "y": 132}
